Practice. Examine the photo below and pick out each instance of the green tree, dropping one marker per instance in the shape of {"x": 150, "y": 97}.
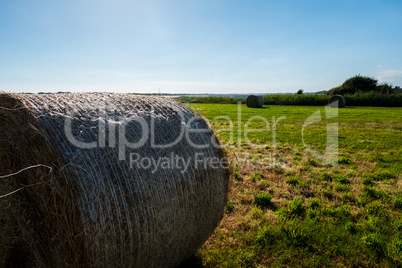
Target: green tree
{"x": 384, "y": 89}
{"x": 356, "y": 84}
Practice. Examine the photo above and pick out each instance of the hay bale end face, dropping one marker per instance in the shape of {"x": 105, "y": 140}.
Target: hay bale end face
{"x": 123, "y": 189}
{"x": 337, "y": 101}
{"x": 254, "y": 101}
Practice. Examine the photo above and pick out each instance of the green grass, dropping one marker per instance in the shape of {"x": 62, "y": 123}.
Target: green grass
{"x": 256, "y": 176}
{"x": 296, "y": 99}
{"x": 345, "y": 160}
{"x": 362, "y": 130}
{"x": 263, "y": 200}
{"x": 341, "y": 179}
{"x": 295, "y": 210}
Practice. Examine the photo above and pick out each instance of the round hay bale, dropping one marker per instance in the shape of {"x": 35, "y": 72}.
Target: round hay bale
{"x": 254, "y": 101}
{"x": 337, "y": 101}
{"x": 83, "y": 190}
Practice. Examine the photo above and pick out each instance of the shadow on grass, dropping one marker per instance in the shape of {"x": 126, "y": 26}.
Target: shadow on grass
{"x": 192, "y": 262}
{"x": 262, "y": 108}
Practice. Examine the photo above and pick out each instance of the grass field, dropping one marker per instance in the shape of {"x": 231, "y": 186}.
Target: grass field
{"x": 287, "y": 208}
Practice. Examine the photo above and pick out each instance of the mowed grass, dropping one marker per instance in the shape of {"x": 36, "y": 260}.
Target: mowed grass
{"x": 288, "y": 208}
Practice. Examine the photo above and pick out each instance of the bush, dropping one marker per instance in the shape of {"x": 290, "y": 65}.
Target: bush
{"x": 362, "y": 84}
{"x": 236, "y": 175}
{"x": 263, "y": 184}
{"x": 313, "y": 162}
{"x": 398, "y": 225}
{"x": 294, "y": 236}
{"x": 358, "y": 99}
{"x": 230, "y": 206}
{"x": 356, "y": 84}
{"x": 327, "y": 192}
{"x": 395, "y": 250}
{"x": 256, "y": 176}
{"x": 375, "y": 243}
{"x": 265, "y": 236}
{"x": 326, "y": 177}
{"x": 282, "y": 213}
{"x": 314, "y": 203}
{"x": 296, "y": 207}
{"x": 311, "y": 214}
{"x": 374, "y": 99}
{"x": 263, "y": 200}
{"x": 257, "y": 213}
{"x": 380, "y": 175}
{"x": 398, "y": 202}
{"x": 371, "y": 98}
{"x": 341, "y": 188}
{"x": 297, "y": 157}
{"x": 292, "y": 181}
{"x": 367, "y": 181}
{"x": 296, "y": 99}
{"x": 351, "y": 227}
{"x": 372, "y": 193}
{"x": 341, "y": 179}
{"x": 375, "y": 209}
{"x": 345, "y": 160}
{"x": 349, "y": 197}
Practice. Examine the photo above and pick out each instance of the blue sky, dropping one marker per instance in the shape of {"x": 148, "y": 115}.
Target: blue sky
{"x": 197, "y": 46}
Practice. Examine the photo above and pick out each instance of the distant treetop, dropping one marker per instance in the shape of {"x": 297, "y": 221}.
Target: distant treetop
{"x": 362, "y": 84}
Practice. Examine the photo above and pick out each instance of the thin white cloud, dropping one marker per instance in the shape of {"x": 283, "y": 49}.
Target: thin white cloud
{"x": 390, "y": 76}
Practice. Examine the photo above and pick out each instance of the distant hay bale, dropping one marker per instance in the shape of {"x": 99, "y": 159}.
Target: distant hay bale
{"x": 254, "y": 101}
{"x": 337, "y": 101}
{"x": 82, "y": 192}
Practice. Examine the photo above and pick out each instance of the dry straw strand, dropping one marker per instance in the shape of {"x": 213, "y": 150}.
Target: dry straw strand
{"x": 24, "y": 169}
{"x": 13, "y": 192}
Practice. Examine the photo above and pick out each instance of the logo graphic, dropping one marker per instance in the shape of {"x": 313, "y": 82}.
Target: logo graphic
{"x": 110, "y": 129}
{"x": 331, "y": 150}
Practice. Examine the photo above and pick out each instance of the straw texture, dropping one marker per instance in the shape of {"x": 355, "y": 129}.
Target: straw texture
{"x": 254, "y": 101}
{"x": 66, "y": 205}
